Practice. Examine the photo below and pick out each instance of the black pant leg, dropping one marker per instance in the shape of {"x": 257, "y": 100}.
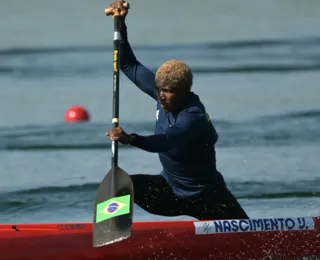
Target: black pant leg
{"x": 153, "y": 194}
{"x": 220, "y": 204}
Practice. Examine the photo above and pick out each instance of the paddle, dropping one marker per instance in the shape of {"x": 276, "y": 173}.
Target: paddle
{"x": 113, "y": 207}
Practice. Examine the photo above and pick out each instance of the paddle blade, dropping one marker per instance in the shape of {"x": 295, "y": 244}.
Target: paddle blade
{"x": 113, "y": 208}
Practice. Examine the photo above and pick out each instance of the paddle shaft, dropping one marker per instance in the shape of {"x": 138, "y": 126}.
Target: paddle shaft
{"x": 115, "y": 110}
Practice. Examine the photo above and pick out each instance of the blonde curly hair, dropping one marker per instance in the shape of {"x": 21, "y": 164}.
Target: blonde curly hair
{"x": 174, "y": 73}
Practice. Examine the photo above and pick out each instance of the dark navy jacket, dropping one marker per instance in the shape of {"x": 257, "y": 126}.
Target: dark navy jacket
{"x": 185, "y": 140}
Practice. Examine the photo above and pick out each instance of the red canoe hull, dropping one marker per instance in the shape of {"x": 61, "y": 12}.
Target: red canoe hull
{"x": 165, "y": 240}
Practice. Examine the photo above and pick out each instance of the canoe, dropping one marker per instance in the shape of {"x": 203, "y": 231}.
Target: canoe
{"x": 267, "y": 238}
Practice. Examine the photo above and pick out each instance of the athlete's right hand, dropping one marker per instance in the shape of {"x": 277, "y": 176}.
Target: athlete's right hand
{"x": 120, "y": 6}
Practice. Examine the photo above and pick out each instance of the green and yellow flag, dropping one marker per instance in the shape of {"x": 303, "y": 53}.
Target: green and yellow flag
{"x": 112, "y": 208}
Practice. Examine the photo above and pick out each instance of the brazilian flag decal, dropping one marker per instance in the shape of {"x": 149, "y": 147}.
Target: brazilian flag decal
{"x": 112, "y": 208}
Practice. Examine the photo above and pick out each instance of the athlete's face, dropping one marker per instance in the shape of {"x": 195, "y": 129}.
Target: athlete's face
{"x": 171, "y": 98}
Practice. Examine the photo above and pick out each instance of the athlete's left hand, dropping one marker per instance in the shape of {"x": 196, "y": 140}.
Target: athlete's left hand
{"x": 118, "y": 134}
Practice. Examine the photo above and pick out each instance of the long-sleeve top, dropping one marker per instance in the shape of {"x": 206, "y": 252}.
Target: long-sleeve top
{"x": 184, "y": 140}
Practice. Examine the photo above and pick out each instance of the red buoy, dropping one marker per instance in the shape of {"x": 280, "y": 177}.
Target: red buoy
{"x": 76, "y": 114}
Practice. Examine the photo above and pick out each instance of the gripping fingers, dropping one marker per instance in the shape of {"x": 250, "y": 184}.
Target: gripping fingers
{"x": 120, "y": 8}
